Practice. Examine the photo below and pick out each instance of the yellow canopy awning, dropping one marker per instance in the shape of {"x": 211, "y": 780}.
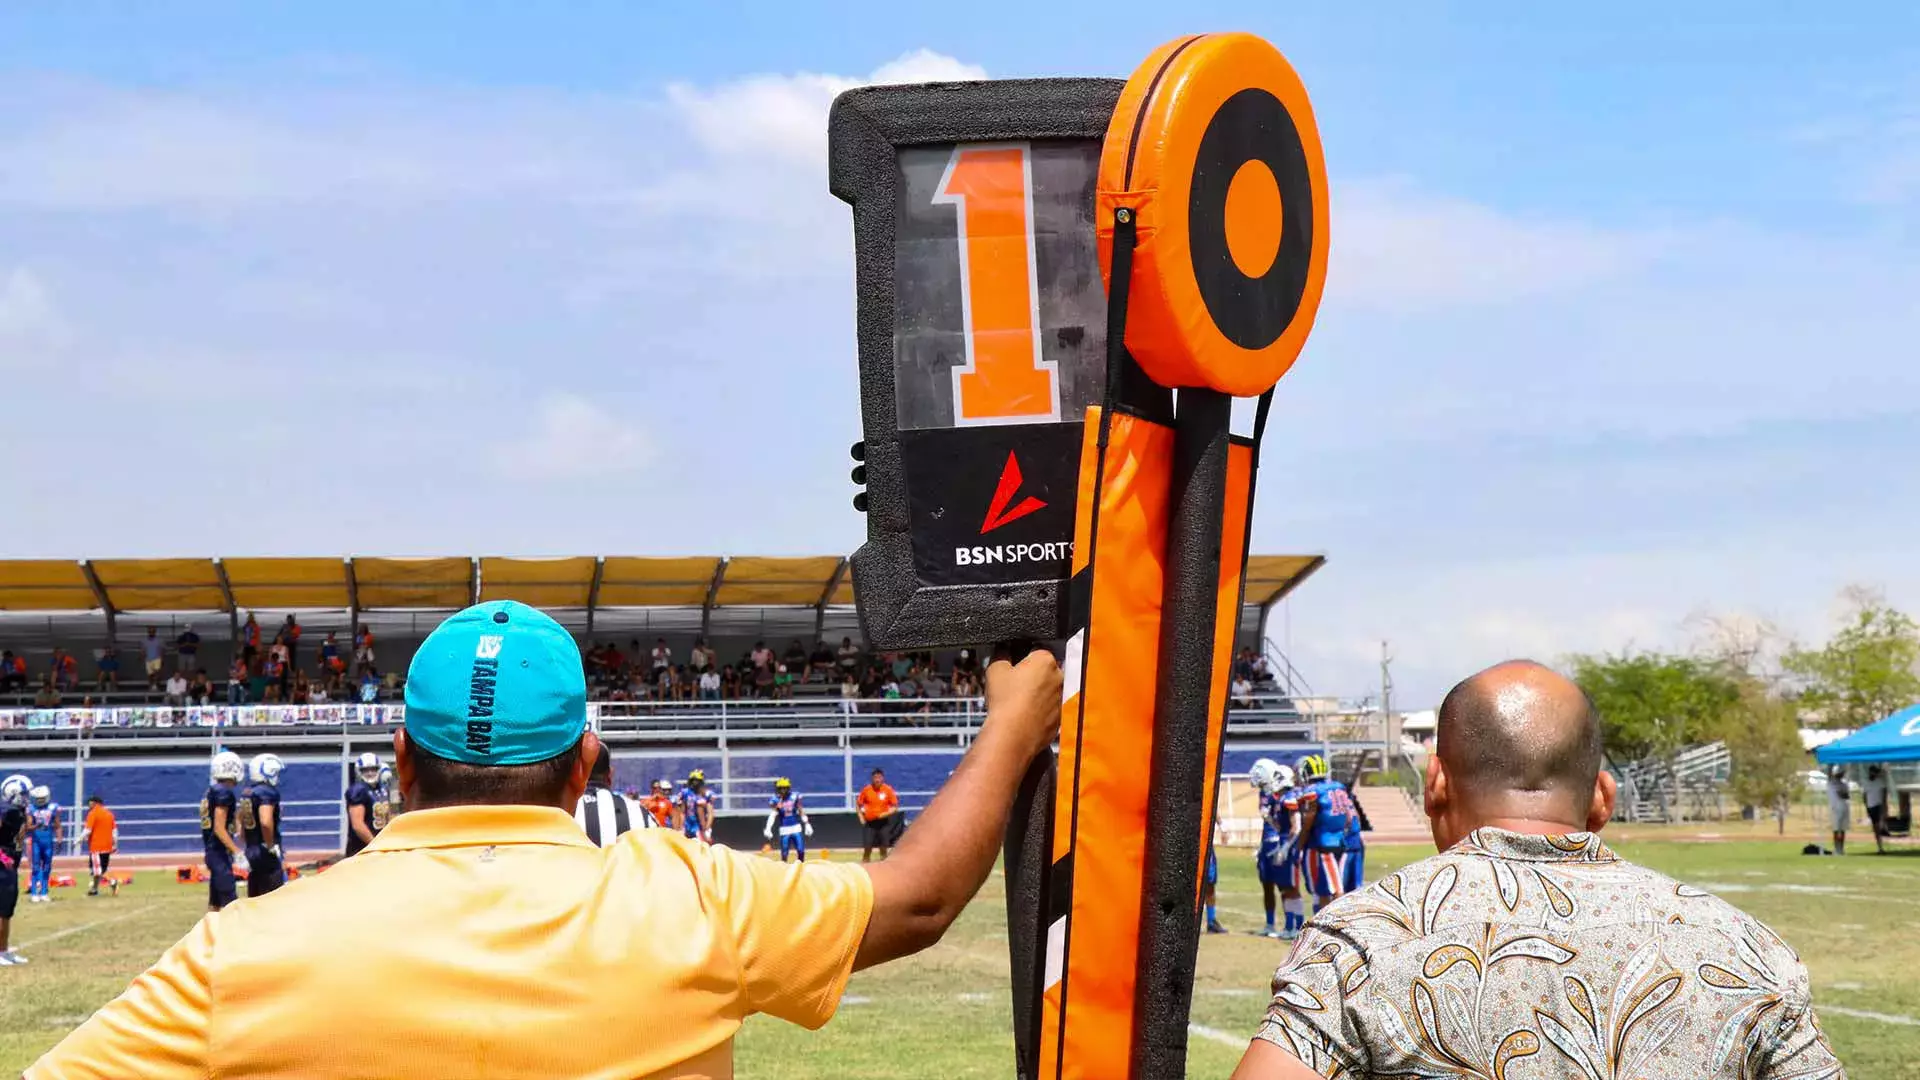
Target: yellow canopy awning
{"x": 44, "y": 585}
{"x": 1270, "y": 577}
{"x": 413, "y": 583}
{"x": 565, "y": 582}
{"x": 287, "y": 583}
{"x": 628, "y": 581}
{"x": 758, "y": 581}
{"x": 160, "y": 584}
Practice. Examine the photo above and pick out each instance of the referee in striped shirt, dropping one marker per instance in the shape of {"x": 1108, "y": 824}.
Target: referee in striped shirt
{"x": 604, "y": 813}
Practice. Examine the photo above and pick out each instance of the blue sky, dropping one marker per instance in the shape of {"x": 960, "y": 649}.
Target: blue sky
{"x": 1619, "y": 332}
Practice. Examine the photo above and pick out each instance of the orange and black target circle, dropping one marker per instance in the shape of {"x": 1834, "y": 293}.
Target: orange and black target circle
{"x": 1214, "y": 152}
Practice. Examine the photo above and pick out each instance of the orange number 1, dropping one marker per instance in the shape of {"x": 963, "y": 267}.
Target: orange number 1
{"x": 1004, "y": 380}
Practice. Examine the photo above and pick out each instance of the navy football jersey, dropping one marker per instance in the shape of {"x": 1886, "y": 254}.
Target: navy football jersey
{"x": 359, "y": 794}
{"x": 1276, "y": 822}
{"x": 217, "y": 796}
{"x": 788, "y": 810}
{"x": 251, "y": 827}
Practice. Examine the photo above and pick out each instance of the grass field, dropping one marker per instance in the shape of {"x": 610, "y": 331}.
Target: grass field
{"x": 1856, "y": 922}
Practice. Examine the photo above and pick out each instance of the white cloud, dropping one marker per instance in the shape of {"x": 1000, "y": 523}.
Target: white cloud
{"x": 786, "y": 115}
{"x": 32, "y": 329}
{"x": 1399, "y": 249}
{"x": 572, "y": 438}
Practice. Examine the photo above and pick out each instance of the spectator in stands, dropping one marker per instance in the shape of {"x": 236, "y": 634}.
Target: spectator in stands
{"x": 250, "y": 633}
{"x": 795, "y": 658}
{"x": 848, "y": 657}
{"x": 615, "y": 660}
{"x": 176, "y": 689}
{"x": 899, "y": 665}
{"x": 107, "y": 669}
{"x": 363, "y": 650}
{"x": 48, "y": 697}
{"x": 199, "y": 690}
{"x": 1243, "y": 664}
{"x": 330, "y": 659}
{"x": 932, "y": 687}
{"x": 13, "y": 672}
{"x": 289, "y": 635}
{"x": 820, "y": 662}
{"x": 709, "y": 684}
{"x": 783, "y": 680}
{"x": 763, "y": 676}
{"x": 761, "y": 656}
{"x": 701, "y": 659}
{"x": 154, "y": 653}
{"x": 967, "y": 663}
{"x": 274, "y": 669}
{"x": 65, "y": 670}
{"x": 317, "y": 694}
{"x": 849, "y": 693}
{"x": 662, "y": 657}
{"x": 301, "y": 690}
{"x": 1242, "y": 691}
{"x": 237, "y": 681}
{"x": 369, "y": 688}
{"x": 187, "y": 645}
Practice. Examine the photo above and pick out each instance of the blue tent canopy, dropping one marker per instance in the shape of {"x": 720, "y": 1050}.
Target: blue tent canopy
{"x": 1897, "y": 738}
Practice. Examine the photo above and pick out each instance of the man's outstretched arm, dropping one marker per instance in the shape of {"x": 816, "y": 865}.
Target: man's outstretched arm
{"x": 935, "y": 871}
{"x": 1265, "y": 1061}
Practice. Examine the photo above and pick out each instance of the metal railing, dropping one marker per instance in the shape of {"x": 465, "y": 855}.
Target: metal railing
{"x": 1265, "y": 713}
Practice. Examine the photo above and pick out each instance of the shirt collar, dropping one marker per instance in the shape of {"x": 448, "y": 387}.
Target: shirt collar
{"x": 477, "y": 826}
{"x": 1535, "y": 847}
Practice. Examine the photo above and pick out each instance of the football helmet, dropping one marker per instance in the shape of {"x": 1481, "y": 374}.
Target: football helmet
{"x": 1265, "y": 775}
{"x": 367, "y": 765}
{"x": 386, "y": 776}
{"x": 697, "y": 778}
{"x": 13, "y": 790}
{"x": 264, "y": 769}
{"x": 1313, "y": 767}
{"x": 227, "y": 766}
{"x": 41, "y": 795}
{"x": 782, "y": 784}
{"x": 1283, "y": 778}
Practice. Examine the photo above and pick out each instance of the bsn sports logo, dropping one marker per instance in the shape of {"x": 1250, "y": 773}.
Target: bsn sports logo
{"x": 1002, "y": 511}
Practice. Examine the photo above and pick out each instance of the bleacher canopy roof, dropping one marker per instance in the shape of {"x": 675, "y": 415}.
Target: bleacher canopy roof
{"x": 376, "y": 583}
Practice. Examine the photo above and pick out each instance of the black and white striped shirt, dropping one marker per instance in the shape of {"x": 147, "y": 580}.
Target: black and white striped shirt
{"x": 605, "y": 815}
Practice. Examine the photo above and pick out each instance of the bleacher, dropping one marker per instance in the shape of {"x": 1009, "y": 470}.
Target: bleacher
{"x": 732, "y": 603}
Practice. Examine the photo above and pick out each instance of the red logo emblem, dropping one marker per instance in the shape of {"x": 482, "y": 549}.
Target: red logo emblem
{"x": 998, "y": 513}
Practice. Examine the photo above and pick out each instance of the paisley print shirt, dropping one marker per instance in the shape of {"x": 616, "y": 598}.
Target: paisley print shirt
{"x": 1518, "y": 957}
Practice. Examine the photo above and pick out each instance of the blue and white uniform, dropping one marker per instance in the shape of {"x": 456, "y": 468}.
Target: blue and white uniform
{"x": 1277, "y": 861}
{"x": 1356, "y": 857}
{"x": 1326, "y": 842}
{"x": 690, "y": 802}
{"x": 41, "y": 819}
{"x": 786, "y": 815}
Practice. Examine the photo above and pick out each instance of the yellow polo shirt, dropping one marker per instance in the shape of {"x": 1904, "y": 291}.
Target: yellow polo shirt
{"x": 473, "y": 943}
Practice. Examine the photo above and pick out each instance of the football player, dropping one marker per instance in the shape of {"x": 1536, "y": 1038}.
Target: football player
{"x": 44, "y": 826}
{"x": 13, "y": 831}
{"x": 218, "y": 814}
{"x": 1209, "y": 881}
{"x": 693, "y": 808}
{"x": 361, "y": 802}
{"x": 260, "y": 826}
{"x": 785, "y": 810}
{"x": 1325, "y": 808}
{"x": 1275, "y": 861}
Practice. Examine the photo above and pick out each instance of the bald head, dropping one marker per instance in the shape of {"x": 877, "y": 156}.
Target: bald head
{"x": 1520, "y": 739}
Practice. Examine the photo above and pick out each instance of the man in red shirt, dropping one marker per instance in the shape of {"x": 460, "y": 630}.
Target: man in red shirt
{"x": 878, "y": 802}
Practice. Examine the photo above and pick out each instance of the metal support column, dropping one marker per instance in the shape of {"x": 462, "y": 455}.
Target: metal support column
{"x": 100, "y": 597}
{"x": 233, "y": 609}
{"x": 593, "y": 594}
{"x": 713, "y": 591}
{"x": 826, "y": 597}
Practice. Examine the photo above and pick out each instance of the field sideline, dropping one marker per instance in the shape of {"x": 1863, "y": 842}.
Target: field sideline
{"x": 945, "y": 1013}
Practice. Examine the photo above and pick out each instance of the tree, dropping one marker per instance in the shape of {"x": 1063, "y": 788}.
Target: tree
{"x": 1762, "y": 734}
{"x": 1653, "y": 704}
{"x": 1866, "y": 671}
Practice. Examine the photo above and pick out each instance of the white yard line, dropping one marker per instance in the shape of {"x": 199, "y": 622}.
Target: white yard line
{"x": 1862, "y": 1014}
{"x": 1216, "y": 1035}
{"x": 81, "y": 929}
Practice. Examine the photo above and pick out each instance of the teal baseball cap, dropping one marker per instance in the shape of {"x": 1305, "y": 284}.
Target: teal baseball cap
{"x": 497, "y": 684}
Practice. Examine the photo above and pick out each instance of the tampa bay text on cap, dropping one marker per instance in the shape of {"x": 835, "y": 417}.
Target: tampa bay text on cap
{"x": 497, "y": 684}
